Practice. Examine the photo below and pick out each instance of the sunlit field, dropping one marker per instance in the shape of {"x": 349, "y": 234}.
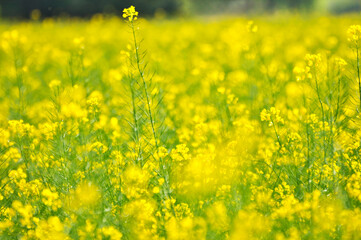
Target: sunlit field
{"x": 200, "y": 128}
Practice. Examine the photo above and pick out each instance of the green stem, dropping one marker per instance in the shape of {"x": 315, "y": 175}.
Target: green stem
{"x": 275, "y": 130}
{"x": 323, "y": 119}
{"x": 144, "y": 85}
{"x": 141, "y": 73}
{"x": 136, "y": 125}
{"x": 358, "y": 73}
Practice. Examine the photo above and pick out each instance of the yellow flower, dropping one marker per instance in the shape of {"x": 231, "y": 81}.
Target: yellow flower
{"x": 111, "y": 232}
{"x": 51, "y": 199}
{"x": 313, "y": 59}
{"x": 54, "y": 83}
{"x": 130, "y": 13}
{"x": 156, "y": 190}
{"x": 217, "y": 217}
{"x": 354, "y": 33}
{"x": 340, "y": 63}
{"x": 299, "y": 73}
{"x": 85, "y": 196}
{"x": 252, "y": 27}
{"x": 50, "y": 229}
{"x": 26, "y": 212}
{"x": 272, "y": 115}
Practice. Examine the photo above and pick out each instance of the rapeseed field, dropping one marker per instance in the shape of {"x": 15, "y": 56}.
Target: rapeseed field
{"x": 219, "y": 128}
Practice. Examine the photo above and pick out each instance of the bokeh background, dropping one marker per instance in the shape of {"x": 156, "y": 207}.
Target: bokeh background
{"x": 23, "y": 9}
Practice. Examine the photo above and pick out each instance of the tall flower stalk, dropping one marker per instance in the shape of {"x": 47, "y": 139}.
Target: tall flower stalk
{"x": 131, "y": 15}
{"x": 354, "y": 33}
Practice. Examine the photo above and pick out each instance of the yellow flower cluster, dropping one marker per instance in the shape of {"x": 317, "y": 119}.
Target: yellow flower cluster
{"x": 272, "y": 116}
{"x": 51, "y": 199}
{"x": 312, "y": 63}
{"x": 130, "y": 13}
{"x": 354, "y": 33}
{"x": 52, "y": 228}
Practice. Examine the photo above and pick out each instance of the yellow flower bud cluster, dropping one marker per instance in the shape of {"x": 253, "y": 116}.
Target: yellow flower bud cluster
{"x": 272, "y": 116}
{"x": 130, "y": 13}
{"x": 354, "y": 34}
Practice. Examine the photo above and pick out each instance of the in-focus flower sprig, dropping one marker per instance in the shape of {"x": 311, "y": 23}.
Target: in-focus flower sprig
{"x": 354, "y": 34}
{"x": 130, "y": 13}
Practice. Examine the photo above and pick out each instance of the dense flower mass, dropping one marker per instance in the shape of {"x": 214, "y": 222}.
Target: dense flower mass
{"x": 228, "y": 129}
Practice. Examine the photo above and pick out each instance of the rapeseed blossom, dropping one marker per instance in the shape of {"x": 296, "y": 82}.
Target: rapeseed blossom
{"x": 354, "y": 33}
{"x": 130, "y": 13}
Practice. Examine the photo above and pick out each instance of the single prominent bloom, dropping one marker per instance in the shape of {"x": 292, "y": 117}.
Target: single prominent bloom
{"x": 130, "y": 13}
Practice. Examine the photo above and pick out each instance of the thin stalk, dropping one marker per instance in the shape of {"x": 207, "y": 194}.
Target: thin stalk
{"x": 358, "y": 73}
{"x": 308, "y": 136}
{"x": 136, "y": 125}
{"x": 338, "y": 98}
{"x": 323, "y": 119}
{"x": 20, "y": 85}
{"x": 145, "y": 86}
{"x": 275, "y": 130}
{"x": 308, "y": 158}
{"x": 137, "y": 58}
